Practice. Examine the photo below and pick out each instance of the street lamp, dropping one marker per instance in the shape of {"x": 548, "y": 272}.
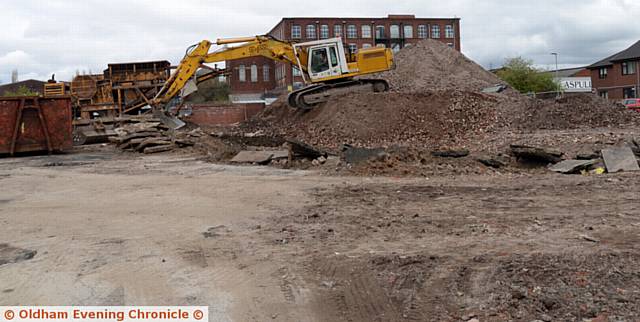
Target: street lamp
{"x": 557, "y": 80}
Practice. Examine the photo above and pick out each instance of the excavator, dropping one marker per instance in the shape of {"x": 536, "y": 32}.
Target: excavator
{"x": 326, "y": 66}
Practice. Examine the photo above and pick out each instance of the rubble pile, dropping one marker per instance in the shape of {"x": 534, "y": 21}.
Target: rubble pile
{"x": 436, "y": 101}
{"x": 572, "y": 112}
{"x": 152, "y": 137}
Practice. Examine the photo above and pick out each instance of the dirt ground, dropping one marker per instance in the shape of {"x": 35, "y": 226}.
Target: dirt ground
{"x": 98, "y": 227}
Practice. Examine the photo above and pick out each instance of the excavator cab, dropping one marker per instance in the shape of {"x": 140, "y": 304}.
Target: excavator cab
{"x": 326, "y": 59}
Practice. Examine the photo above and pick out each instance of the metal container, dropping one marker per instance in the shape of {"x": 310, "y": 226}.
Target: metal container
{"x": 31, "y": 124}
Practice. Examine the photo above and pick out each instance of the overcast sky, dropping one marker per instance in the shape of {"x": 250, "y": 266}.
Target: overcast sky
{"x": 41, "y": 37}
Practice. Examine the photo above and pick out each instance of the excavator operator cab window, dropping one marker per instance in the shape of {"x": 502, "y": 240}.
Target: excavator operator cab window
{"x": 319, "y": 61}
{"x": 334, "y": 56}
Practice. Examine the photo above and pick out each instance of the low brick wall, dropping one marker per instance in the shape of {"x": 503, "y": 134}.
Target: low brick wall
{"x": 205, "y": 114}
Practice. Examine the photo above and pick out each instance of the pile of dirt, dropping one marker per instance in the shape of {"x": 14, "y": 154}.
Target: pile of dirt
{"x": 432, "y": 65}
{"x": 573, "y": 112}
{"x": 427, "y": 119}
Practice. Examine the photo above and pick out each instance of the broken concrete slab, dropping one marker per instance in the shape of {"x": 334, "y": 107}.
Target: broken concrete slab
{"x": 152, "y": 142}
{"x": 620, "y": 159}
{"x": 493, "y": 162}
{"x": 281, "y": 154}
{"x": 355, "y": 155}
{"x": 304, "y": 150}
{"x": 635, "y": 146}
{"x": 536, "y": 154}
{"x": 158, "y": 149}
{"x": 259, "y": 157}
{"x": 124, "y": 139}
{"x": 451, "y": 153}
{"x": 572, "y": 166}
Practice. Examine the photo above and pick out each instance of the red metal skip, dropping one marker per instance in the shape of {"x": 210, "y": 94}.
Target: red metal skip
{"x": 30, "y": 123}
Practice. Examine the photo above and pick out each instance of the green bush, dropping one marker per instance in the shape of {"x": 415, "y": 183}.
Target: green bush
{"x": 522, "y": 76}
{"x": 21, "y": 91}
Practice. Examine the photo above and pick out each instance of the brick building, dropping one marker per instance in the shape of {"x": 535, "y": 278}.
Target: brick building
{"x": 253, "y": 79}
{"x": 616, "y": 77}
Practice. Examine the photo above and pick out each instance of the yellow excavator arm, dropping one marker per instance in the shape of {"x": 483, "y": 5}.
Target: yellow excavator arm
{"x": 251, "y": 47}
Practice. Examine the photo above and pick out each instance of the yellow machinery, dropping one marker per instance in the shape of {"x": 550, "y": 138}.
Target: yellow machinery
{"x": 325, "y": 66}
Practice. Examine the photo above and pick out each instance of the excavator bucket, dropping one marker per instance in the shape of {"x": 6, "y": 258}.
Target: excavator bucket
{"x": 190, "y": 87}
{"x": 170, "y": 121}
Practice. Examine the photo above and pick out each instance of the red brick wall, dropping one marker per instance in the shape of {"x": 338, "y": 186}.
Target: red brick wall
{"x": 203, "y": 114}
{"x": 615, "y": 81}
{"x": 238, "y": 87}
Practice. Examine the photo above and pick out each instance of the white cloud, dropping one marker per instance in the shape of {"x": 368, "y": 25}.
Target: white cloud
{"x": 41, "y": 37}
{"x": 16, "y": 58}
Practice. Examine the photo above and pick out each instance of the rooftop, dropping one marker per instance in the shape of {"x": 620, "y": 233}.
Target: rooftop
{"x": 630, "y": 53}
{"x": 390, "y": 16}
{"x": 566, "y": 72}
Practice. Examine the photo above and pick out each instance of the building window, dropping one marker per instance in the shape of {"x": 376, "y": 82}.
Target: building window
{"x": 242, "y": 73}
{"x": 324, "y": 31}
{"x": 254, "y": 73}
{"x": 296, "y": 72}
{"x": 408, "y": 31}
{"x": 353, "y": 48}
{"x": 422, "y": 31}
{"x": 366, "y": 31}
{"x": 381, "y": 46}
{"x": 352, "y": 32}
{"x": 435, "y": 31}
{"x": 602, "y": 73}
{"x": 311, "y": 32}
{"x": 296, "y": 32}
{"x": 628, "y": 68}
{"x": 366, "y": 45}
{"x": 394, "y": 30}
{"x": 380, "y": 32}
{"x": 448, "y": 32}
{"x": 629, "y": 92}
{"x": 265, "y": 73}
{"x": 337, "y": 31}
{"x": 604, "y": 94}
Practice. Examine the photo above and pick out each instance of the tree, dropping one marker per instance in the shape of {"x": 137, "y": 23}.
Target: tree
{"x": 21, "y": 91}
{"x": 522, "y": 76}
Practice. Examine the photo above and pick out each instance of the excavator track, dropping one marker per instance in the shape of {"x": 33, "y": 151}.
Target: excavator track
{"x": 308, "y": 97}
